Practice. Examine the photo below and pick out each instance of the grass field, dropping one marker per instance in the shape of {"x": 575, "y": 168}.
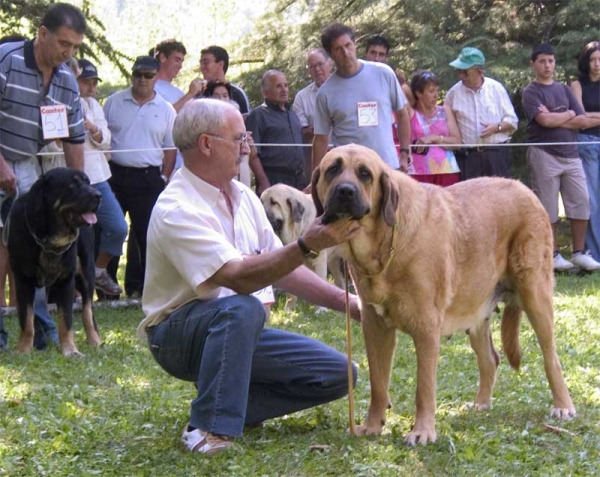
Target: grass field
{"x": 115, "y": 412}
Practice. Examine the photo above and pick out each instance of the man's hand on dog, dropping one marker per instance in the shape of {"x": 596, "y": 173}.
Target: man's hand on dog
{"x": 319, "y": 236}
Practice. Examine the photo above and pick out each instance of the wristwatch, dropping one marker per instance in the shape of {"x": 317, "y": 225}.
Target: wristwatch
{"x": 309, "y": 253}
{"x": 499, "y": 127}
{"x": 164, "y": 178}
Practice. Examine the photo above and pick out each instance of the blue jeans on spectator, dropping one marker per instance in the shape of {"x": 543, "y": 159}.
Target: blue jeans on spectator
{"x": 245, "y": 373}
{"x": 590, "y": 158}
{"x": 111, "y": 220}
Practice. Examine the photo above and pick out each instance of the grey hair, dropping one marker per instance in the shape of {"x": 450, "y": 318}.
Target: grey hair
{"x": 267, "y": 75}
{"x": 318, "y": 50}
{"x": 199, "y": 116}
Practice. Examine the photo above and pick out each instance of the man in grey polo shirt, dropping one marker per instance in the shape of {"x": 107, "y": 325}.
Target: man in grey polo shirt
{"x": 141, "y": 123}
{"x": 33, "y": 75}
{"x": 275, "y": 123}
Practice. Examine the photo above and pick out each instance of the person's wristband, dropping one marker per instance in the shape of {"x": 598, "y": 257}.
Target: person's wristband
{"x": 164, "y": 178}
{"x": 404, "y": 149}
{"x": 499, "y": 127}
{"x": 306, "y": 251}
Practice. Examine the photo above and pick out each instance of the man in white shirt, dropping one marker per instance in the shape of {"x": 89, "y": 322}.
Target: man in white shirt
{"x": 212, "y": 256}
{"x": 143, "y": 156}
{"x": 484, "y": 115}
{"x": 318, "y": 65}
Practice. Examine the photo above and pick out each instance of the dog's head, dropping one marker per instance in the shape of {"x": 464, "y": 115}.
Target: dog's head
{"x": 353, "y": 181}
{"x": 289, "y": 211}
{"x": 60, "y": 202}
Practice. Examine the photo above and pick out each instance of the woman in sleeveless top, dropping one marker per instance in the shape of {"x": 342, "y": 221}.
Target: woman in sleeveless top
{"x": 432, "y": 126}
{"x": 587, "y": 91}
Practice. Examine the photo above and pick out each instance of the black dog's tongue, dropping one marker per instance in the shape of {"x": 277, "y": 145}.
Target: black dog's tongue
{"x": 89, "y": 218}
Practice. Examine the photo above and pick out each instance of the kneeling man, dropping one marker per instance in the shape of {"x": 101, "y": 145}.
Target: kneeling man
{"x": 211, "y": 254}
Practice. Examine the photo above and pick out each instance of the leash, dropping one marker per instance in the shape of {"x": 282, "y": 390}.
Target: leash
{"x": 349, "y": 353}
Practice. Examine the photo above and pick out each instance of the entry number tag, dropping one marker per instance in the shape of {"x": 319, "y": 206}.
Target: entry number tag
{"x": 54, "y": 121}
{"x": 367, "y": 113}
{"x": 266, "y": 295}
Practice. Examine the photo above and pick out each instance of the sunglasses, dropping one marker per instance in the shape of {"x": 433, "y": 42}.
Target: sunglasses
{"x": 139, "y": 74}
{"x": 427, "y": 75}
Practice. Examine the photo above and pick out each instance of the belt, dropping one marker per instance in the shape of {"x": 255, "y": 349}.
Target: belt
{"x": 479, "y": 149}
{"x": 134, "y": 170}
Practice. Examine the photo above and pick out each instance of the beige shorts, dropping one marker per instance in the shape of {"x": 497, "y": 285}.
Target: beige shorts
{"x": 551, "y": 175}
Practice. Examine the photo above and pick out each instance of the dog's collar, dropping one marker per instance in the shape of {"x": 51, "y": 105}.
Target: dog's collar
{"x": 385, "y": 265}
{"x": 44, "y": 246}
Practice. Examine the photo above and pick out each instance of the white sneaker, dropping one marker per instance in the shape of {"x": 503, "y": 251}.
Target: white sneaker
{"x": 561, "y": 264}
{"x": 204, "y": 442}
{"x": 585, "y": 261}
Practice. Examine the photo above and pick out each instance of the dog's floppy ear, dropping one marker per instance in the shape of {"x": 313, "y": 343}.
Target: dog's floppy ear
{"x": 313, "y": 191}
{"x": 297, "y": 210}
{"x": 36, "y": 213}
{"x": 390, "y": 196}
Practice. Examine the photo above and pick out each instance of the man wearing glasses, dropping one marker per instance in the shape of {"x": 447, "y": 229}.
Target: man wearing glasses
{"x": 141, "y": 124}
{"x": 212, "y": 257}
{"x": 318, "y": 65}
{"x": 484, "y": 115}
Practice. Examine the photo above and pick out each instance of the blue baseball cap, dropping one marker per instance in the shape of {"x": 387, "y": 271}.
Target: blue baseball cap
{"x": 468, "y": 58}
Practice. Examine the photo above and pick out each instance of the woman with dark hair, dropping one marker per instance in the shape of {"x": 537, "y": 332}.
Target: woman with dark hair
{"x": 587, "y": 90}
{"x": 432, "y": 126}
{"x": 218, "y": 89}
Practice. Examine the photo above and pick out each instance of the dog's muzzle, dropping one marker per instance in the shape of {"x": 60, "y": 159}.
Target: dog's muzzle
{"x": 345, "y": 201}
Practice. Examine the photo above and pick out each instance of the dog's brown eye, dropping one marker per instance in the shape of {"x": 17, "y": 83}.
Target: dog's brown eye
{"x": 334, "y": 169}
{"x": 364, "y": 174}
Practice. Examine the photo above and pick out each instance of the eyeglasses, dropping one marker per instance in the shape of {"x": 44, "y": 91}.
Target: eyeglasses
{"x": 139, "y": 74}
{"x": 320, "y": 64}
{"x": 426, "y": 75}
{"x": 242, "y": 140}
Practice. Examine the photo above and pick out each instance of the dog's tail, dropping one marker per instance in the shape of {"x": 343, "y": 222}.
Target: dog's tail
{"x": 509, "y": 331}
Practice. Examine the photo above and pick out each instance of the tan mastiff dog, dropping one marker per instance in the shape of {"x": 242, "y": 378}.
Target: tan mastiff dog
{"x": 432, "y": 262}
{"x": 291, "y": 212}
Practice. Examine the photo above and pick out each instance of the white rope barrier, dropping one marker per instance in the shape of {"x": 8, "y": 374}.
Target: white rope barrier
{"x": 412, "y": 146}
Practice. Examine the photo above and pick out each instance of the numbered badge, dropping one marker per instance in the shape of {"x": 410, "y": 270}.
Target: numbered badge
{"x": 54, "y": 121}
{"x": 368, "y": 115}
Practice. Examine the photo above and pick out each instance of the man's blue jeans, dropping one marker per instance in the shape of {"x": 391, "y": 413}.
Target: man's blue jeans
{"x": 590, "y": 158}
{"x": 245, "y": 374}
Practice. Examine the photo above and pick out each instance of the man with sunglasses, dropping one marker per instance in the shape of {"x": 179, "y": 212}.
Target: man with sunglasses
{"x": 143, "y": 154}
{"x": 212, "y": 257}
{"x": 38, "y": 92}
{"x": 485, "y": 118}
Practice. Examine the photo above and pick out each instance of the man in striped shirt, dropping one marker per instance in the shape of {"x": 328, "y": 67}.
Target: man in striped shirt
{"x": 33, "y": 75}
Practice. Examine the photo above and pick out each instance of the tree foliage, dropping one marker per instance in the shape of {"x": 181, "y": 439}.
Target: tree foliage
{"x": 428, "y": 34}
{"x": 24, "y": 17}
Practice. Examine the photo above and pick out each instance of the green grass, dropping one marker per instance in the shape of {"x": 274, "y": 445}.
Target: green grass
{"x": 115, "y": 412}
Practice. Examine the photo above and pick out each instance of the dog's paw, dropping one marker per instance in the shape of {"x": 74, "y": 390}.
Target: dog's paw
{"x": 71, "y": 352}
{"x": 420, "y": 436}
{"x": 566, "y": 414}
{"x": 477, "y": 406}
{"x": 24, "y": 346}
{"x": 367, "y": 430}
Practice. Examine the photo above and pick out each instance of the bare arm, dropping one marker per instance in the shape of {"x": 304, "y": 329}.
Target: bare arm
{"x": 319, "y": 149}
{"x": 194, "y": 89}
{"x": 262, "y": 181}
{"x": 8, "y": 181}
{"x": 308, "y": 286}
{"x": 73, "y": 155}
{"x": 168, "y": 163}
{"x": 554, "y": 120}
{"x": 403, "y": 132}
{"x": 258, "y": 271}
{"x": 593, "y": 117}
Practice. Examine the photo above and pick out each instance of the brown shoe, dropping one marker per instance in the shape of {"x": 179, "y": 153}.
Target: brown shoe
{"x": 107, "y": 285}
{"x": 204, "y": 442}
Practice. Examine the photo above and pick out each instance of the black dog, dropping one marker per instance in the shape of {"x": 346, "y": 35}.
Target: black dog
{"x": 43, "y": 232}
